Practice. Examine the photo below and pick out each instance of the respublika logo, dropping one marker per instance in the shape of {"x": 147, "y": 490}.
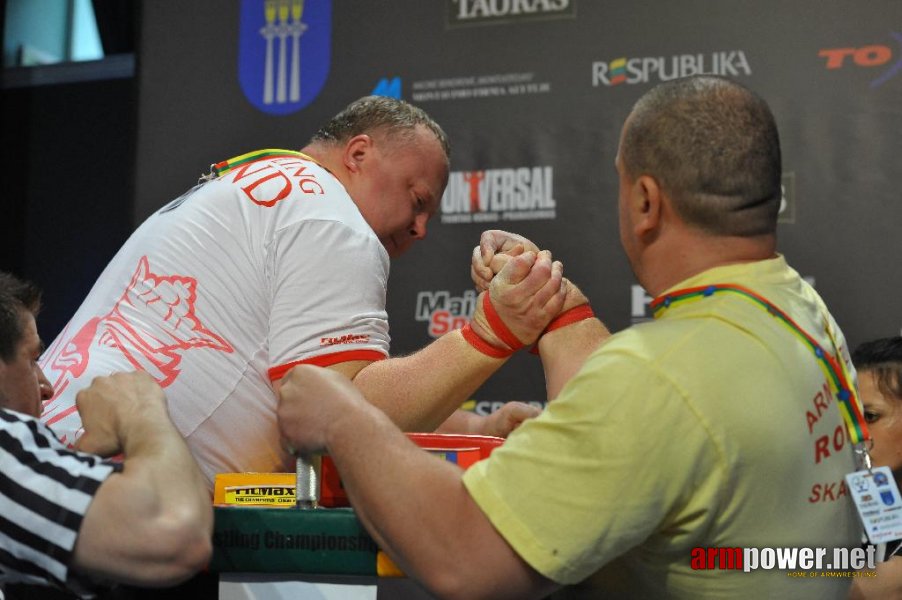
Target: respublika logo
{"x": 483, "y": 12}
{"x": 516, "y": 194}
{"x": 875, "y": 55}
{"x": 284, "y": 52}
{"x": 731, "y": 63}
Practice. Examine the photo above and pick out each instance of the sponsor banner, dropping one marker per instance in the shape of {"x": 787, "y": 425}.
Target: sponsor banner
{"x": 884, "y": 59}
{"x": 655, "y": 69}
{"x": 639, "y": 301}
{"x": 492, "y": 195}
{"x": 444, "y": 312}
{"x": 388, "y": 86}
{"x": 463, "y": 13}
{"x": 478, "y": 86}
{"x": 484, "y": 408}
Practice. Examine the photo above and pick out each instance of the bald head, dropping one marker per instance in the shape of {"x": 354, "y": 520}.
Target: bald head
{"x": 712, "y": 146}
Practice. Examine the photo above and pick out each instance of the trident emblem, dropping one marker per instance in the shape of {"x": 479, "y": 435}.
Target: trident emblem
{"x": 275, "y": 36}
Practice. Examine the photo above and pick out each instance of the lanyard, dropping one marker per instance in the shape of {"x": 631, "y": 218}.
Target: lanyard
{"x": 221, "y": 168}
{"x": 833, "y": 367}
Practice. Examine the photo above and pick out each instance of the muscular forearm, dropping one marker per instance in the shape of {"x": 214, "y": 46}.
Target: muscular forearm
{"x": 564, "y": 350}
{"x": 461, "y": 421}
{"x": 418, "y": 510}
{"x": 418, "y": 392}
{"x": 151, "y": 524}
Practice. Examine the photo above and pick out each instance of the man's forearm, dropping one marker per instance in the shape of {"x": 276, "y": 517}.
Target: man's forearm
{"x": 417, "y": 509}
{"x": 419, "y": 391}
{"x": 151, "y": 524}
{"x": 564, "y": 350}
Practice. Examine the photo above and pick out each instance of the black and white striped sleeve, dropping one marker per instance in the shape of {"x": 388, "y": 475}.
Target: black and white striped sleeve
{"x": 45, "y": 491}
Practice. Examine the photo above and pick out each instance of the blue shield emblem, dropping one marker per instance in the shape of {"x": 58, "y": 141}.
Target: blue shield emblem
{"x": 284, "y": 52}
{"x": 887, "y": 497}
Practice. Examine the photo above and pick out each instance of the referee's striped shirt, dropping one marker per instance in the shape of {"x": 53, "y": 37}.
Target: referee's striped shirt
{"x": 45, "y": 491}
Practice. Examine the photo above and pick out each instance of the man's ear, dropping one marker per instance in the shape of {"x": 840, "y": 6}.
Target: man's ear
{"x": 355, "y": 151}
{"x": 646, "y": 201}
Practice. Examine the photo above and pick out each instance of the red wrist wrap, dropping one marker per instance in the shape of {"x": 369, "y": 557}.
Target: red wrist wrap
{"x": 498, "y": 326}
{"x": 568, "y": 317}
{"x": 481, "y": 345}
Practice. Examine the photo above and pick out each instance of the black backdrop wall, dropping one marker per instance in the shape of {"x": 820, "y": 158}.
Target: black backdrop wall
{"x": 532, "y": 94}
{"x": 68, "y": 186}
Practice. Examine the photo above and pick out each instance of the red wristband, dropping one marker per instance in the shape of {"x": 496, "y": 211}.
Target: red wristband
{"x": 483, "y": 346}
{"x": 568, "y": 317}
{"x": 498, "y": 327}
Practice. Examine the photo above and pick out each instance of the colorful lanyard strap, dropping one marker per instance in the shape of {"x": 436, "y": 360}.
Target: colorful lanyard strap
{"x": 221, "y": 168}
{"x": 834, "y": 368}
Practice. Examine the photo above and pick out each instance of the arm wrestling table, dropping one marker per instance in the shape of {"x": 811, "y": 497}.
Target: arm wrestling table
{"x": 264, "y": 547}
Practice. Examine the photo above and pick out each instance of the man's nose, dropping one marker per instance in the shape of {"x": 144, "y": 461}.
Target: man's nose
{"x": 418, "y": 227}
{"x": 45, "y": 386}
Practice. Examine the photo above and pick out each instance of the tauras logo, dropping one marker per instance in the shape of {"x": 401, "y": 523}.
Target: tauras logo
{"x": 443, "y": 311}
{"x": 730, "y": 63}
{"x": 475, "y": 12}
{"x": 515, "y": 194}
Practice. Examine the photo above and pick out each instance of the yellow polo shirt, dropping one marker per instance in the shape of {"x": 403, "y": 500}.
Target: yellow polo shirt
{"x": 711, "y": 427}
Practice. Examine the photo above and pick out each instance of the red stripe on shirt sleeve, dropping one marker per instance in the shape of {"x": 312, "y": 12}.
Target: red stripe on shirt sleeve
{"x": 326, "y": 360}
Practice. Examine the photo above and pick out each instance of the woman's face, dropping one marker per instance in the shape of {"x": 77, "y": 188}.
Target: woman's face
{"x": 884, "y": 417}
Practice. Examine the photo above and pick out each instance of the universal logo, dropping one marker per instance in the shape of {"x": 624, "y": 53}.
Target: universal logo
{"x": 490, "y": 195}
{"x": 462, "y": 13}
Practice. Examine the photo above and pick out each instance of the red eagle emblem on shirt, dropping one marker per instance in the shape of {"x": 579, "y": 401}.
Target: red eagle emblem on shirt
{"x": 153, "y": 324}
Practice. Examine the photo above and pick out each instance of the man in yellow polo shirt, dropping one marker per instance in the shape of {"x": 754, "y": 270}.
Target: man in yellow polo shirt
{"x": 682, "y": 453}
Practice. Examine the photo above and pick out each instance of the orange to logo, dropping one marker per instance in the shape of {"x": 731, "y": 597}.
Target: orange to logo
{"x": 868, "y": 56}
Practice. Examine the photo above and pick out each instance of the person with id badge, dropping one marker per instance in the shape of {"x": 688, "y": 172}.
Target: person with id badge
{"x": 879, "y": 365}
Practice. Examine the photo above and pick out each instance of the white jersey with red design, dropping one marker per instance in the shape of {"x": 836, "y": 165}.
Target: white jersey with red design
{"x": 222, "y": 291}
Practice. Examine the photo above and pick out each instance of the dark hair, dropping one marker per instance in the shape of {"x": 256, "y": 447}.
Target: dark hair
{"x": 713, "y": 146}
{"x": 16, "y": 296}
{"x": 396, "y": 118}
{"x": 883, "y": 357}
